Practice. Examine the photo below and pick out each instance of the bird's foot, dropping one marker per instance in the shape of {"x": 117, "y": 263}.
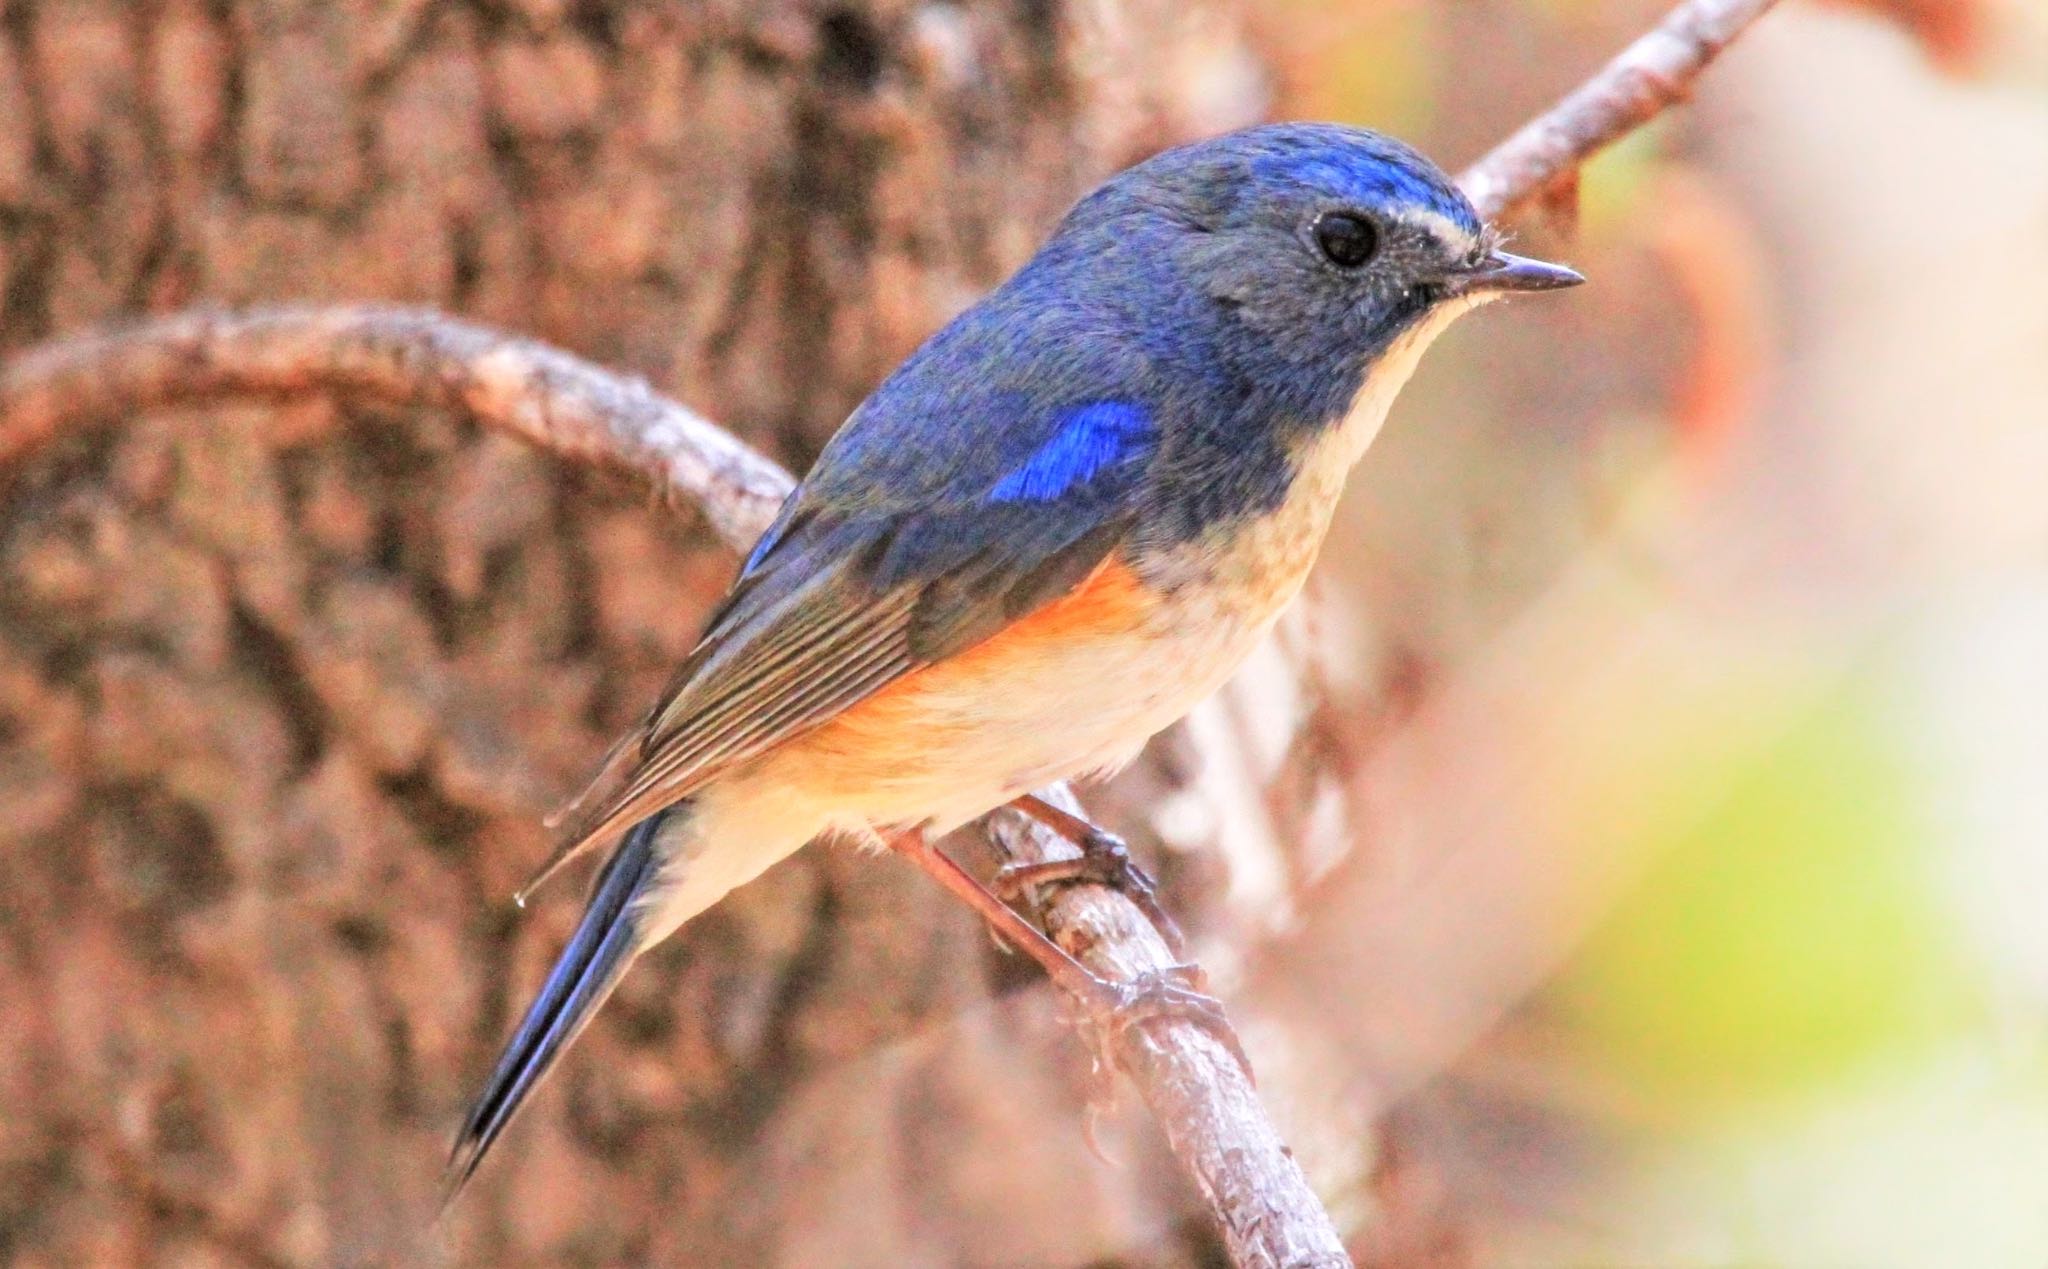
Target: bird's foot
{"x": 1111, "y": 1007}
{"x": 1176, "y": 993}
{"x": 1104, "y": 861}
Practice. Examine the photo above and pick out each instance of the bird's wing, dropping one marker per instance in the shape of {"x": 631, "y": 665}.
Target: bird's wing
{"x": 883, "y": 561}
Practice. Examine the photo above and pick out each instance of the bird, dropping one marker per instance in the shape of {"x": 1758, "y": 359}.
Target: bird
{"x": 1054, "y": 529}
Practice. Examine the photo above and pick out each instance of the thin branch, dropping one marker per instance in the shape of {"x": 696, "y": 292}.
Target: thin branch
{"x": 1649, "y": 76}
{"x": 1266, "y": 1210}
{"x": 1211, "y": 1117}
{"x": 397, "y": 356}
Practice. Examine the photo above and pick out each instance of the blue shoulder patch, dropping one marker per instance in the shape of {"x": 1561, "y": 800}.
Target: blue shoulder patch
{"x": 1093, "y": 437}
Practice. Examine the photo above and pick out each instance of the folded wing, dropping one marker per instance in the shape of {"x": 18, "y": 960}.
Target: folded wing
{"x": 857, "y": 584}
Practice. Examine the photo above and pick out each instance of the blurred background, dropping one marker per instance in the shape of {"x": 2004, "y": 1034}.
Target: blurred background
{"x": 1632, "y": 854}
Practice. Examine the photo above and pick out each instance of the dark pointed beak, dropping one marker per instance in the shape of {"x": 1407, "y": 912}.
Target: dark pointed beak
{"x": 1501, "y": 271}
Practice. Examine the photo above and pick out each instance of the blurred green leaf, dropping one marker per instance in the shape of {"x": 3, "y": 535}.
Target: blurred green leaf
{"x": 1785, "y": 939}
{"x": 1613, "y": 185}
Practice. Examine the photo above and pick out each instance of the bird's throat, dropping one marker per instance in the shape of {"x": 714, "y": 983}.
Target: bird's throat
{"x": 1340, "y": 448}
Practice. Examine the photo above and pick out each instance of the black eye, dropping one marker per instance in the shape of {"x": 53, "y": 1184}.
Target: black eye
{"x": 1347, "y": 240}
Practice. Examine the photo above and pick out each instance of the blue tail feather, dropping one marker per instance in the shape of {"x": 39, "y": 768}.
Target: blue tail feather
{"x": 596, "y": 957}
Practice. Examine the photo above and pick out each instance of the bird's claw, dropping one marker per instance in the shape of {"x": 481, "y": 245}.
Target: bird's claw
{"x": 1104, "y": 861}
{"x": 1177, "y": 993}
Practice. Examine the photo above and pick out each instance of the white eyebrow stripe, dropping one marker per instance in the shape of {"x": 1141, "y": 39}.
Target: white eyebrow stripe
{"x": 1445, "y": 230}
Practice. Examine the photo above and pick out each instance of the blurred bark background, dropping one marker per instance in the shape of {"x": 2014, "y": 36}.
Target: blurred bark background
{"x": 283, "y": 692}
{"x": 1537, "y": 929}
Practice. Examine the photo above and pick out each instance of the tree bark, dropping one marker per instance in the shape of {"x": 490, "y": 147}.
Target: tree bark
{"x": 282, "y": 698}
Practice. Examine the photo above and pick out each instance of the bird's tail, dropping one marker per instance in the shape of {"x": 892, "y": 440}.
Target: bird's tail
{"x": 611, "y": 933}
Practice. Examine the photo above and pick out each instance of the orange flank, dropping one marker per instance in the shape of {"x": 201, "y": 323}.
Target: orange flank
{"x": 919, "y": 713}
{"x": 1109, "y": 601}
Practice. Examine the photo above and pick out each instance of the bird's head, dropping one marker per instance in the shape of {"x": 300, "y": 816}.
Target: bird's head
{"x": 1305, "y": 255}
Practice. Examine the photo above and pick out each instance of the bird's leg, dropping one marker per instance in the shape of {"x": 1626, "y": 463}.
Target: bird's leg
{"x": 1112, "y": 1007}
{"x": 1008, "y": 925}
{"x": 1104, "y": 861}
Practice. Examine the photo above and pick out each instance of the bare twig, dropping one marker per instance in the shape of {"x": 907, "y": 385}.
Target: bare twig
{"x": 1194, "y": 1086}
{"x": 1648, "y": 76}
{"x": 1212, "y": 1119}
{"x": 401, "y": 356}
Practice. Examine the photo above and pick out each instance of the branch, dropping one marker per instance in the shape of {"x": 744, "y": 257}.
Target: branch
{"x": 1212, "y": 1119}
{"x": 1193, "y": 1085}
{"x": 1649, "y": 76}
{"x": 396, "y": 356}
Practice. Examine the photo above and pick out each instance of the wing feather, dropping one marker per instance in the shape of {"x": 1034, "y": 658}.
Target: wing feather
{"x": 738, "y": 710}
{"x": 844, "y": 596}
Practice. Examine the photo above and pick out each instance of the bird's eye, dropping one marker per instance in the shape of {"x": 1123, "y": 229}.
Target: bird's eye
{"x": 1348, "y": 240}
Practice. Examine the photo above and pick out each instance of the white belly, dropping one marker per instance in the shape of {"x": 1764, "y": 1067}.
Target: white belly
{"x": 1086, "y": 715}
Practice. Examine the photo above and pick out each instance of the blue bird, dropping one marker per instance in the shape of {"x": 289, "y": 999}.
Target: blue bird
{"x": 1051, "y": 532}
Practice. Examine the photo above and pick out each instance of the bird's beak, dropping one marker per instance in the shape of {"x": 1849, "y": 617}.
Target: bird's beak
{"x": 1500, "y": 272}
